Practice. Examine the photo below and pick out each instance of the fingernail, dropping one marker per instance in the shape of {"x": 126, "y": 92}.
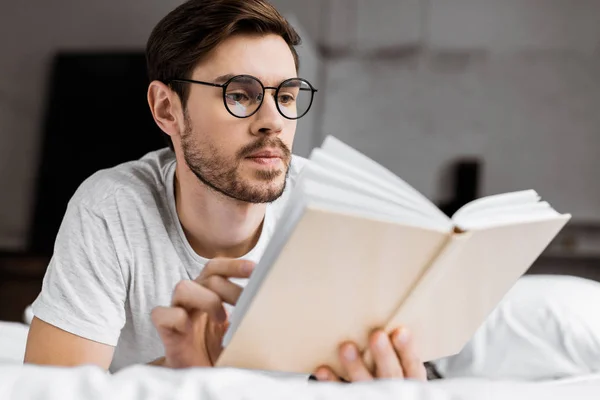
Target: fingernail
{"x": 322, "y": 375}
{"x": 350, "y": 353}
{"x": 402, "y": 336}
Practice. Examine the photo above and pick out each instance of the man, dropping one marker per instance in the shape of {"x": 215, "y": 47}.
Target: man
{"x": 150, "y": 251}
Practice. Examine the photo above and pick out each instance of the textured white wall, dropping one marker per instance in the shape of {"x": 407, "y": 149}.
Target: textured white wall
{"x": 515, "y": 24}
{"x": 516, "y": 82}
{"x": 533, "y": 118}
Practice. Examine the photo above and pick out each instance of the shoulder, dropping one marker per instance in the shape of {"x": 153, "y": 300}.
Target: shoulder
{"x": 144, "y": 177}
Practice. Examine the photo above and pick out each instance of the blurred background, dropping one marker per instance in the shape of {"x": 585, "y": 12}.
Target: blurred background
{"x": 461, "y": 98}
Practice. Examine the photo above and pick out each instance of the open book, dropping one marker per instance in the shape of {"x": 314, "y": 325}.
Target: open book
{"x": 358, "y": 248}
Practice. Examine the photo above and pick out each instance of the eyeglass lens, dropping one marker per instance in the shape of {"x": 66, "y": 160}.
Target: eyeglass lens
{"x": 244, "y": 94}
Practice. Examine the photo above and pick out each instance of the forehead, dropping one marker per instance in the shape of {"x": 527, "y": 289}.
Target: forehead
{"x": 267, "y": 57}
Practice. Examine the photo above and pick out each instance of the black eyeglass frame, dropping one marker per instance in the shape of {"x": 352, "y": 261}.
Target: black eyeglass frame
{"x": 224, "y": 87}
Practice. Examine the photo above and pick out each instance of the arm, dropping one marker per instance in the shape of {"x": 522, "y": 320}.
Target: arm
{"x": 80, "y": 310}
{"x": 49, "y": 345}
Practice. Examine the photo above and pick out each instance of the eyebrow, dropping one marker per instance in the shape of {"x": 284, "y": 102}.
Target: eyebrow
{"x": 224, "y": 78}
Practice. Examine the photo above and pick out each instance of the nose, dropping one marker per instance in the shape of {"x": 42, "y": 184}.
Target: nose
{"x": 268, "y": 119}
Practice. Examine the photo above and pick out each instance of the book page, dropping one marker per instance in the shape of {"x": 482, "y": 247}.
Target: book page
{"x": 342, "y": 151}
{"x": 346, "y": 201}
{"x": 340, "y": 167}
{"x": 497, "y": 200}
{"x": 508, "y": 208}
{"x": 371, "y": 195}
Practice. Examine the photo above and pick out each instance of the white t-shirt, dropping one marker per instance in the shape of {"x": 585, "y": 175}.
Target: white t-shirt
{"x": 119, "y": 253}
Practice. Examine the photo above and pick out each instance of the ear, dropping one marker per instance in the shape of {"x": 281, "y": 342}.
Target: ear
{"x": 166, "y": 108}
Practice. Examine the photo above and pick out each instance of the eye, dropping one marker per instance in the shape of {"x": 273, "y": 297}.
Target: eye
{"x": 238, "y": 97}
{"x": 286, "y": 99}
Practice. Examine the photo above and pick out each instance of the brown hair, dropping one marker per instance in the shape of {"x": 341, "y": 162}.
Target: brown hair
{"x": 190, "y": 32}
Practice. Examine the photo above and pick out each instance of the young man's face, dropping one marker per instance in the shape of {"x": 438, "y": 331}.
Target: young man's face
{"x": 222, "y": 149}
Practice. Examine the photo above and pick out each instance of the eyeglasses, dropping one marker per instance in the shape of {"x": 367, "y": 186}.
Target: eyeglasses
{"x": 244, "y": 94}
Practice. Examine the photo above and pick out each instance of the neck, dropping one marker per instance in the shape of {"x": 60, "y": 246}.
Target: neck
{"x": 215, "y": 225}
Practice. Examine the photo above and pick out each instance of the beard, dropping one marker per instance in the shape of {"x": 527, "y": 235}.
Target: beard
{"x": 222, "y": 174}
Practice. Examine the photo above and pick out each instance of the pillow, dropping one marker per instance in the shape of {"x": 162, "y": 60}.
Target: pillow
{"x": 546, "y": 327}
{"x": 13, "y": 338}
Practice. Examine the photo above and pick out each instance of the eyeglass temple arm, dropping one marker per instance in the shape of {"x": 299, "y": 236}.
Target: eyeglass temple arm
{"x": 198, "y": 82}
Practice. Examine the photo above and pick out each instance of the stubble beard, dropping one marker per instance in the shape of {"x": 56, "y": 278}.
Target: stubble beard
{"x": 222, "y": 174}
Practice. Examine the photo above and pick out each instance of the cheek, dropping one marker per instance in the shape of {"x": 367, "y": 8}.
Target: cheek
{"x": 207, "y": 113}
{"x": 214, "y": 125}
{"x": 221, "y": 135}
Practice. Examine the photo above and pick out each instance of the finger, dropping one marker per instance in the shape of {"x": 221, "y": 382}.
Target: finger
{"x": 325, "y": 374}
{"x": 387, "y": 363}
{"x": 227, "y": 267}
{"x": 214, "y": 339}
{"x": 412, "y": 366}
{"x": 228, "y": 291}
{"x": 170, "y": 318}
{"x": 353, "y": 363}
{"x": 194, "y": 297}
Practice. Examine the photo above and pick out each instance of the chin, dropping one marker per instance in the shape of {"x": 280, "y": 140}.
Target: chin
{"x": 274, "y": 186}
{"x": 265, "y": 192}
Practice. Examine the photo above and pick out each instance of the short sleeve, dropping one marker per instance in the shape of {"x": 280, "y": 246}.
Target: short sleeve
{"x": 84, "y": 290}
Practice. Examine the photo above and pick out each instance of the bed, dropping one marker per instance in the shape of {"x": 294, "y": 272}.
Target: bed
{"x": 543, "y": 341}
{"x": 145, "y": 382}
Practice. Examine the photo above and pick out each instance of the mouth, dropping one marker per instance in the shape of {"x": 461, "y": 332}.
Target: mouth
{"x": 266, "y": 157}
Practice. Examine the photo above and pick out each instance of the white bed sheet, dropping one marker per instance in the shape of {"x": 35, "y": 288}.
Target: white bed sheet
{"x": 145, "y": 382}
{"x": 27, "y": 382}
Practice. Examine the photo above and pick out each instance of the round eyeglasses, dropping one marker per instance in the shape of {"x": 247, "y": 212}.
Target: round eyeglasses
{"x": 244, "y": 94}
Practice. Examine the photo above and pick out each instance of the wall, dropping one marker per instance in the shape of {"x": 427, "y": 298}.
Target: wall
{"x": 30, "y": 33}
{"x": 532, "y": 118}
{"x": 416, "y": 84}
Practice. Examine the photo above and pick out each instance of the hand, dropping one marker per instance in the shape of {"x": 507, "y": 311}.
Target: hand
{"x": 192, "y": 328}
{"x": 394, "y": 357}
